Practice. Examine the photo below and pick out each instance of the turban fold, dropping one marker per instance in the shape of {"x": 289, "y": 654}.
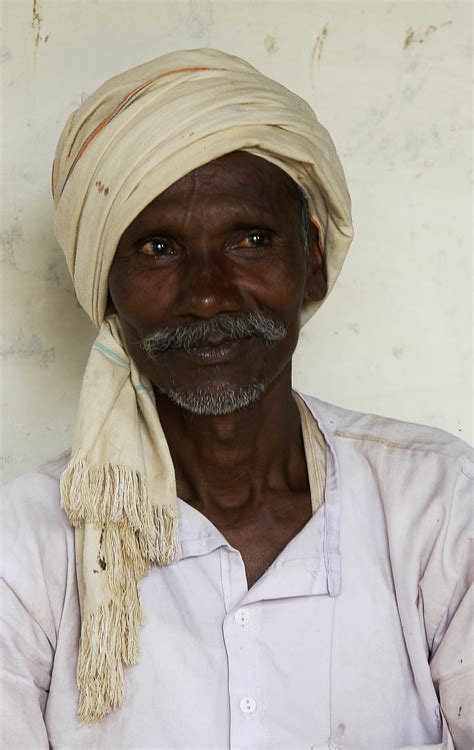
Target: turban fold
{"x": 140, "y": 132}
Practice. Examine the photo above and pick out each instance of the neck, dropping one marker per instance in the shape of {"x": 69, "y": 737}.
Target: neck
{"x": 235, "y": 460}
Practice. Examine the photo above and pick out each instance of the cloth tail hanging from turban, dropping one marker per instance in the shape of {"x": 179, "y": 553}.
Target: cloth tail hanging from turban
{"x": 124, "y": 510}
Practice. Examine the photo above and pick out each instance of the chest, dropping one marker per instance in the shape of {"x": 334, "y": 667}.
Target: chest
{"x": 283, "y": 665}
{"x": 261, "y": 538}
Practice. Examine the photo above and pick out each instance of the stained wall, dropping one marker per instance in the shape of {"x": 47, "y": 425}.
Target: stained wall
{"x": 390, "y": 80}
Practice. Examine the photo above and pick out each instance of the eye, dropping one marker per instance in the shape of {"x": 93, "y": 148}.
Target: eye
{"x": 256, "y": 239}
{"x": 156, "y": 247}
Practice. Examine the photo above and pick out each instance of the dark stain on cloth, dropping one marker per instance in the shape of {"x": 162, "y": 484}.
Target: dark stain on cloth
{"x": 101, "y": 187}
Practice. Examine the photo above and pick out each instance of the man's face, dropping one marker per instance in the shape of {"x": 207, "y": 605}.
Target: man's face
{"x": 209, "y": 280}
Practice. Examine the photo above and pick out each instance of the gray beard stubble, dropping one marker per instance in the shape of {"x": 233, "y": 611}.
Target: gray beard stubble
{"x": 223, "y": 398}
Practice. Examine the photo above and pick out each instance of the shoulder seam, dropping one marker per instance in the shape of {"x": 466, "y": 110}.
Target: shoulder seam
{"x": 361, "y": 436}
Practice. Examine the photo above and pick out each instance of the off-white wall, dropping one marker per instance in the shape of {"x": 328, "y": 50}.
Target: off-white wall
{"x": 390, "y": 80}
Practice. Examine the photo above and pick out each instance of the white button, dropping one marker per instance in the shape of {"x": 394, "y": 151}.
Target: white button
{"x": 242, "y": 616}
{"x": 248, "y": 705}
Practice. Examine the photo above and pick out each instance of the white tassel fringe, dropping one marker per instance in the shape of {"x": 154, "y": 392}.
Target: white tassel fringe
{"x": 135, "y": 534}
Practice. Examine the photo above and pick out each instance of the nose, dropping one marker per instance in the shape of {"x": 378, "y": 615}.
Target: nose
{"x": 207, "y": 288}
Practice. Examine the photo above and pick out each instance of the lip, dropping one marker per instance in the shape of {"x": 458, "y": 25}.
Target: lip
{"x": 220, "y": 350}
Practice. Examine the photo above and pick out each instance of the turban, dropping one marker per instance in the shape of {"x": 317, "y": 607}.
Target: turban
{"x": 130, "y": 140}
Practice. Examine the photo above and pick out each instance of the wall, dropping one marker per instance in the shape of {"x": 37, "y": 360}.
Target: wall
{"x": 390, "y": 80}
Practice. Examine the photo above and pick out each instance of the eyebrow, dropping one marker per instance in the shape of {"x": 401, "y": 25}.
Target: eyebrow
{"x": 248, "y": 216}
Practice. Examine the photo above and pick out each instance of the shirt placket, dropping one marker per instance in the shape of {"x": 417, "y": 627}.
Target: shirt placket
{"x": 240, "y": 631}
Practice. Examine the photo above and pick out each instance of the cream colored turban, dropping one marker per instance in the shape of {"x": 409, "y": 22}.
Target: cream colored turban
{"x": 131, "y": 139}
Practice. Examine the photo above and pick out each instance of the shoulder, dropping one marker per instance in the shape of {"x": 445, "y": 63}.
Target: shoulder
{"x": 37, "y": 550}
{"x": 37, "y": 578}
{"x": 370, "y": 433}
{"x": 31, "y": 502}
{"x": 412, "y": 483}
{"x": 415, "y": 472}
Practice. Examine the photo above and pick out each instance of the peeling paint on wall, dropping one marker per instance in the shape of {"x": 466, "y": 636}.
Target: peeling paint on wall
{"x": 52, "y": 274}
{"x": 31, "y": 346}
{"x": 9, "y": 239}
{"x": 422, "y": 34}
{"x": 319, "y": 45}
{"x": 5, "y": 55}
{"x": 271, "y": 44}
{"x": 197, "y": 19}
{"x": 5, "y": 461}
{"x": 36, "y": 24}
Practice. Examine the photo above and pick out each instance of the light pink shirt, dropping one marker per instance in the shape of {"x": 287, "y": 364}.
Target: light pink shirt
{"x": 345, "y": 642}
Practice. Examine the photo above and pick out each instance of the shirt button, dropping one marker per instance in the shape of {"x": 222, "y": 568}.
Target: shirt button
{"x": 248, "y": 705}
{"x": 242, "y": 616}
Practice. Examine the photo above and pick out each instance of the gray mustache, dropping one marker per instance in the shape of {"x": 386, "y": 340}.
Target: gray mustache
{"x": 233, "y": 326}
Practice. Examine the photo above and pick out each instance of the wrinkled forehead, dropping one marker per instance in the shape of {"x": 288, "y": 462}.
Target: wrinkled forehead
{"x": 235, "y": 179}
{"x": 238, "y": 167}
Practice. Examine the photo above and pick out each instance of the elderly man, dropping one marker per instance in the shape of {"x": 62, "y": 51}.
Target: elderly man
{"x": 249, "y": 567}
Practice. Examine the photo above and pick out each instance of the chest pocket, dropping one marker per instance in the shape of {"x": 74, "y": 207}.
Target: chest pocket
{"x": 335, "y": 743}
{"x": 446, "y": 744}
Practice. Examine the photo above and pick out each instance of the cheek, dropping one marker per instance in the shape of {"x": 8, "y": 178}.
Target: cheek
{"x": 134, "y": 299}
{"x": 141, "y": 299}
{"x": 282, "y": 290}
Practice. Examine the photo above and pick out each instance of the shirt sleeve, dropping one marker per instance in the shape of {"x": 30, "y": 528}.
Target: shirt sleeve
{"x": 451, "y": 658}
{"x": 32, "y": 589}
{"x": 25, "y": 673}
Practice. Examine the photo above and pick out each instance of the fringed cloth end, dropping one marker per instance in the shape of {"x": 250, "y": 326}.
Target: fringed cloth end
{"x": 116, "y": 496}
{"x": 110, "y": 638}
{"x": 134, "y": 534}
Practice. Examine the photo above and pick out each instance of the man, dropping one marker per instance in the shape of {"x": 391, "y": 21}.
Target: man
{"x": 271, "y": 570}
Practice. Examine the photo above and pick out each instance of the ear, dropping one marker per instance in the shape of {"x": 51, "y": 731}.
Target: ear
{"x": 316, "y": 285}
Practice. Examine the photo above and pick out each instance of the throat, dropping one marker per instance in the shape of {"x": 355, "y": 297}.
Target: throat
{"x": 235, "y": 460}
{"x": 261, "y": 540}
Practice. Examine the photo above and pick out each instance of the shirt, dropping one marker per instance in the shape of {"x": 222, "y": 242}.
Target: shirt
{"x": 357, "y": 636}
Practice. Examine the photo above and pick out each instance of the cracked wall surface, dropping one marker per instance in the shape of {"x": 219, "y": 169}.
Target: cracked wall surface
{"x": 390, "y": 80}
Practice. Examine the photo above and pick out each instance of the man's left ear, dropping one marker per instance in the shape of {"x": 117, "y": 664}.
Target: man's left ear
{"x": 316, "y": 285}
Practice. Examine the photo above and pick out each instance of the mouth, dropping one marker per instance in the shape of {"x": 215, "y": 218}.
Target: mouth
{"x": 220, "y": 349}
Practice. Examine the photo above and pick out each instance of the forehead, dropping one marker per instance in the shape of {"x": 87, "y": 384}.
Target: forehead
{"x": 238, "y": 179}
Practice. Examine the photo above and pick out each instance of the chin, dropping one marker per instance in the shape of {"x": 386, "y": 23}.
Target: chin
{"x": 215, "y": 399}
